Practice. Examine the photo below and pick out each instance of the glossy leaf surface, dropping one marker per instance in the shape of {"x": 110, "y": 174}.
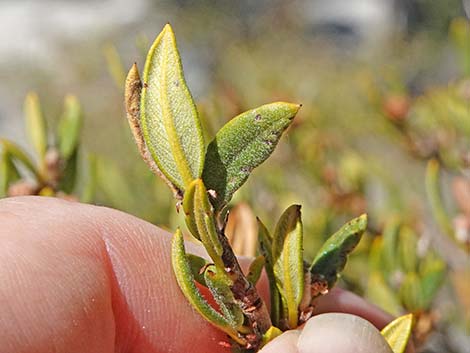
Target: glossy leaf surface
{"x": 397, "y": 333}
{"x": 288, "y": 266}
{"x": 169, "y": 120}
{"x": 241, "y": 145}
{"x": 332, "y": 256}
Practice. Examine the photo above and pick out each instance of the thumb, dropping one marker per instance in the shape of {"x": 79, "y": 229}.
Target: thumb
{"x": 333, "y": 332}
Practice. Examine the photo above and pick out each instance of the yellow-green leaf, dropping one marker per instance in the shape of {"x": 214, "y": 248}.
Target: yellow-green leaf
{"x": 18, "y": 154}
{"x": 271, "y": 334}
{"x": 256, "y": 267}
{"x": 288, "y": 261}
{"x": 219, "y": 285}
{"x": 265, "y": 248}
{"x": 241, "y": 145}
{"x": 397, "y": 333}
{"x": 169, "y": 119}
{"x": 69, "y": 127}
{"x": 379, "y": 293}
{"x": 331, "y": 258}
{"x": 200, "y": 220}
{"x": 183, "y": 274}
{"x": 35, "y": 124}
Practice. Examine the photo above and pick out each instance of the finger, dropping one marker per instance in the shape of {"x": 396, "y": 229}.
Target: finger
{"x": 78, "y": 278}
{"x": 331, "y": 333}
{"x": 342, "y": 301}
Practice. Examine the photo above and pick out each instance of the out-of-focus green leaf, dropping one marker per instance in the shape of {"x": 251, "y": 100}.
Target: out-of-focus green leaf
{"x": 69, "y": 127}
{"x": 256, "y": 267}
{"x": 241, "y": 145}
{"x": 35, "y": 124}
{"x": 407, "y": 249}
{"x": 8, "y": 172}
{"x": 459, "y": 31}
{"x": 265, "y": 248}
{"x": 433, "y": 190}
{"x": 69, "y": 174}
{"x": 375, "y": 255}
{"x": 89, "y": 188}
{"x": 169, "y": 120}
{"x": 390, "y": 244}
{"x": 200, "y": 220}
{"x": 17, "y": 153}
{"x": 331, "y": 258}
{"x": 219, "y": 285}
{"x": 183, "y": 273}
{"x": 397, "y": 333}
{"x": 379, "y": 293}
{"x": 432, "y": 273}
{"x": 288, "y": 264}
{"x": 411, "y": 292}
{"x": 114, "y": 64}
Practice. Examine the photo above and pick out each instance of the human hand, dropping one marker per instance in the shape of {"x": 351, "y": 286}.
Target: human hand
{"x": 85, "y": 279}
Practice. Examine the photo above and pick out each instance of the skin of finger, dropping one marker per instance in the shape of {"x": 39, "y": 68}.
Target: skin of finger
{"x": 78, "y": 278}
{"x": 341, "y": 333}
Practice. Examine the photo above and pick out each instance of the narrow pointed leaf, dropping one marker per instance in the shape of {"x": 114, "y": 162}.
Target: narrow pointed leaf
{"x": 69, "y": 127}
{"x": 219, "y": 285}
{"x": 35, "y": 124}
{"x": 8, "y": 172}
{"x": 256, "y": 267}
{"x": 17, "y": 153}
{"x": 287, "y": 255}
{"x": 183, "y": 274}
{"x": 200, "y": 220}
{"x": 397, "y": 333}
{"x": 379, "y": 293}
{"x": 411, "y": 292}
{"x": 331, "y": 258}
{"x": 265, "y": 248}
{"x": 69, "y": 174}
{"x": 169, "y": 120}
{"x": 241, "y": 145}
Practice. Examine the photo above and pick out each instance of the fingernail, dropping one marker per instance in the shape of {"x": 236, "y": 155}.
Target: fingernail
{"x": 341, "y": 333}
{"x": 285, "y": 343}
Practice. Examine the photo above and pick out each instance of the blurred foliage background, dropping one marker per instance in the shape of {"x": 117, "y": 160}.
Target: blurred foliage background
{"x": 384, "y": 127}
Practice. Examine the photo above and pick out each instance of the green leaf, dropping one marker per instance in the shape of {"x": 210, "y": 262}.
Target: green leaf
{"x": 18, "y": 154}
{"x": 219, "y": 285}
{"x": 288, "y": 261}
{"x": 265, "y": 248}
{"x": 379, "y": 293}
{"x": 271, "y": 334}
{"x": 241, "y": 145}
{"x": 407, "y": 254}
{"x": 69, "y": 174}
{"x": 331, "y": 258}
{"x": 256, "y": 267}
{"x": 8, "y": 172}
{"x": 197, "y": 263}
{"x": 397, "y": 333}
{"x": 114, "y": 64}
{"x": 169, "y": 120}
{"x": 69, "y": 127}
{"x": 411, "y": 292}
{"x": 35, "y": 124}
{"x": 183, "y": 274}
{"x": 390, "y": 244}
{"x": 88, "y": 194}
{"x": 200, "y": 220}
{"x": 432, "y": 273}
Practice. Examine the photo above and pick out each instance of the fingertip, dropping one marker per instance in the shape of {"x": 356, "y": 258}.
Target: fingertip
{"x": 285, "y": 343}
{"x": 341, "y": 333}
